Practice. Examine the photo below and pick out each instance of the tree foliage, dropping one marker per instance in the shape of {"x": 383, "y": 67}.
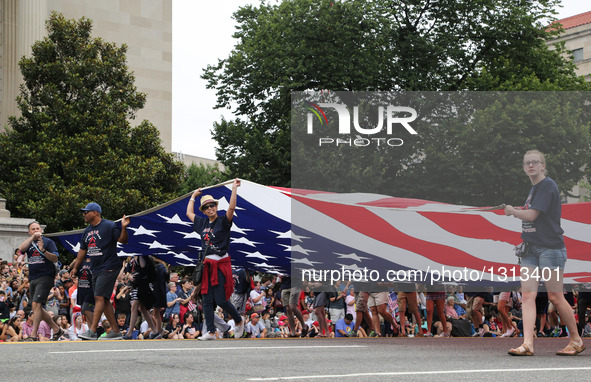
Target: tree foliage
{"x": 200, "y": 176}
{"x": 73, "y": 142}
{"x": 396, "y": 45}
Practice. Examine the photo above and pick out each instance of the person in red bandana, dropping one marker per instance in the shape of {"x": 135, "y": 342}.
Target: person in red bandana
{"x": 216, "y": 282}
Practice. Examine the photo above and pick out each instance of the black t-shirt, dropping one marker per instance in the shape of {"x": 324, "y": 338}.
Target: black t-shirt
{"x": 39, "y": 266}
{"x": 100, "y": 242}
{"x": 241, "y": 284}
{"x": 85, "y": 276}
{"x": 161, "y": 280}
{"x": 215, "y": 235}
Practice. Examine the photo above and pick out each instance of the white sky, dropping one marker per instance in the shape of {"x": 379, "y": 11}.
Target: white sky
{"x": 202, "y": 34}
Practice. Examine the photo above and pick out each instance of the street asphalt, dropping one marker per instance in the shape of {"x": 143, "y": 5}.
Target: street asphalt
{"x": 340, "y": 359}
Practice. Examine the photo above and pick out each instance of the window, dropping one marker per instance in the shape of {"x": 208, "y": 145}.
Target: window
{"x": 578, "y": 55}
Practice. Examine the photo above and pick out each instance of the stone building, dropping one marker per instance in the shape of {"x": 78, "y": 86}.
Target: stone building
{"x": 144, "y": 25}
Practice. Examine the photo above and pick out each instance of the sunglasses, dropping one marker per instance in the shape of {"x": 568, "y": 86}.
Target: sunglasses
{"x": 208, "y": 206}
{"x": 85, "y": 212}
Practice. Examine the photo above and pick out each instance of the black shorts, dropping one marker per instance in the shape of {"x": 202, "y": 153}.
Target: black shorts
{"x": 104, "y": 282}
{"x": 39, "y": 289}
{"x": 160, "y": 296}
{"x": 85, "y": 295}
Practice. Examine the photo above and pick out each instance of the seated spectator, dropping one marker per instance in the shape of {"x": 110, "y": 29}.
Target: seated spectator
{"x": 283, "y": 331}
{"x": 15, "y": 332}
{"x": 6, "y": 331}
{"x": 190, "y": 328}
{"x": 255, "y": 328}
{"x": 450, "y": 310}
{"x": 266, "y": 321}
{"x": 344, "y": 326}
{"x": 122, "y": 323}
{"x": 77, "y": 328}
{"x": 173, "y": 328}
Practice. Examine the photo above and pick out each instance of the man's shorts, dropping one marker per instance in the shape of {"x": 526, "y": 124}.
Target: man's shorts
{"x": 239, "y": 302}
{"x": 320, "y": 300}
{"x": 408, "y": 300}
{"x": 361, "y": 301}
{"x": 542, "y": 257}
{"x": 336, "y": 314}
{"x": 290, "y": 296}
{"x": 85, "y": 299}
{"x": 39, "y": 289}
{"x": 104, "y": 282}
{"x": 377, "y": 299}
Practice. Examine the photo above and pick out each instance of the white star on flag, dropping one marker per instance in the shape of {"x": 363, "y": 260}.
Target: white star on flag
{"x": 190, "y": 235}
{"x": 352, "y": 267}
{"x": 235, "y": 228}
{"x": 259, "y": 255}
{"x": 264, "y": 265}
{"x": 142, "y": 231}
{"x": 305, "y": 261}
{"x": 244, "y": 240}
{"x": 352, "y": 256}
{"x": 289, "y": 235}
{"x": 297, "y": 248}
{"x": 175, "y": 220}
{"x": 157, "y": 245}
{"x": 75, "y": 248}
{"x": 180, "y": 256}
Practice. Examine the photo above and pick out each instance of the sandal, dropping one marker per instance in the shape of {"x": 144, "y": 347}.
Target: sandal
{"x": 571, "y": 349}
{"x": 522, "y": 350}
{"x": 58, "y": 335}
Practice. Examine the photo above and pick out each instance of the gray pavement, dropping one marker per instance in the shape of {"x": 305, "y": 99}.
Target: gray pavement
{"x": 346, "y": 359}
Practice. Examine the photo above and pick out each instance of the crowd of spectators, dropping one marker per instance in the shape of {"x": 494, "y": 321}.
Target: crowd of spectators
{"x": 332, "y": 315}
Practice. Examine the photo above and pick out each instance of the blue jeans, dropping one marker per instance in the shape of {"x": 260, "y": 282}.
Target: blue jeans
{"x": 216, "y": 296}
{"x": 543, "y": 257}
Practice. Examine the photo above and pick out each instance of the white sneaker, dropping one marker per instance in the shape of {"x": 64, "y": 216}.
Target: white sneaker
{"x": 239, "y": 330}
{"x": 509, "y": 333}
{"x": 206, "y": 337}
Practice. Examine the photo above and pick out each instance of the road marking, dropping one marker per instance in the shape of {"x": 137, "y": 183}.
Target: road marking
{"x": 404, "y": 373}
{"x": 208, "y": 349}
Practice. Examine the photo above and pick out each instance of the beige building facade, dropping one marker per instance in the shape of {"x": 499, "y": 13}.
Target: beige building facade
{"x": 144, "y": 25}
{"x": 577, "y": 39}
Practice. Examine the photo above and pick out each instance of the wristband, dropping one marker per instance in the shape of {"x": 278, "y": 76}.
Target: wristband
{"x": 192, "y": 199}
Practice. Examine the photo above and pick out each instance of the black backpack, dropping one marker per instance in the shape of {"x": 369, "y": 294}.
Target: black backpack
{"x": 460, "y": 328}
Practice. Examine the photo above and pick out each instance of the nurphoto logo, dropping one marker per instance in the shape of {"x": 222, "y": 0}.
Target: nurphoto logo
{"x": 396, "y": 116}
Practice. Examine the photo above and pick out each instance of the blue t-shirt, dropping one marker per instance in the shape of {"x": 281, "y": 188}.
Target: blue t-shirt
{"x": 215, "y": 235}
{"x": 175, "y": 308}
{"x": 342, "y": 325}
{"x": 39, "y": 266}
{"x": 100, "y": 242}
{"x": 545, "y": 230}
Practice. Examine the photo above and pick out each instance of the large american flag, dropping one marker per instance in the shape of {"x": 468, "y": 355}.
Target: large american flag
{"x": 276, "y": 230}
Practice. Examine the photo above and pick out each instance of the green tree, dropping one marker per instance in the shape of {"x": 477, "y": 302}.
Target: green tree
{"x": 73, "y": 142}
{"x": 200, "y": 176}
{"x": 392, "y": 45}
